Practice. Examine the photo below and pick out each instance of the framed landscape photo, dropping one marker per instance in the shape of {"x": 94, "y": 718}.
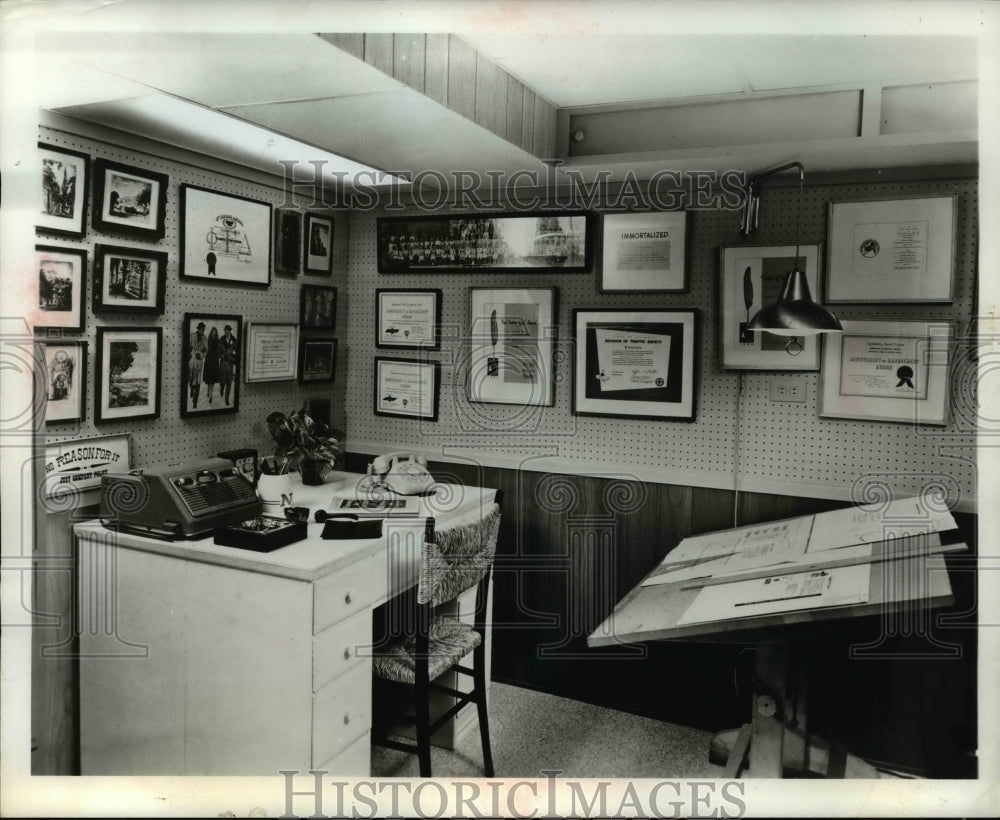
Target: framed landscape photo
{"x": 287, "y": 241}
{"x": 127, "y": 381}
{"x": 129, "y": 200}
{"x": 78, "y": 464}
{"x": 752, "y": 277}
{"x": 408, "y": 318}
{"x": 634, "y": 363}
{"x": 224, "y": 237}
{"x": 65, "y": 381}
{"x": 899, "y": 250}
{"x": 318, "y": 307}
{"x": 210, "y": 364}
{"x": 317, "y": 360}
{"x": 62, "y": 285}
{"x": 556, "y": 242}
{"x": 407, "y": 388}
{"x": 644, "y": 252}
{"x": 512, "y": 335}
{"x": 128, "y": 280}
{"x": 319, "y": 245}
{"x": 887, "y": 371}
{"x": 65, "y": 180}
{"x": 271, "y": 351}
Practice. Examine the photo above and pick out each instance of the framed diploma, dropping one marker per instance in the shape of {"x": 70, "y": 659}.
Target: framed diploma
{"x": 887, "y": 371}
{"x": 407, "y": 388}
{"x": 512, "y": 338}
{"x": 644, "y": 252}
{"x": 752, "y": 277}
{"x": 271, "y": 352}
{"x": 634, "y": 363}
{"x": 900, "y": 250}
{"x": 408, "y": 318}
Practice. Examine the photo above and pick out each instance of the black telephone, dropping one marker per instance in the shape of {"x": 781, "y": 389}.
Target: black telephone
{"x": 402, "y": 473}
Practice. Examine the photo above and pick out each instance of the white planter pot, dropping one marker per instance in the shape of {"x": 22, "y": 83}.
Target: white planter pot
{"x": 275, "y": 491}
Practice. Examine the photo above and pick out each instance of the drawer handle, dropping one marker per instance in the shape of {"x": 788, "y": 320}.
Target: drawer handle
{"x": 347, "y": 654}
{"x": 347, "y": 598}
{"x": 347, "y": 719}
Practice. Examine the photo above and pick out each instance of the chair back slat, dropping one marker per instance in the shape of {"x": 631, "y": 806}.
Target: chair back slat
{"x": 457, "y": 558}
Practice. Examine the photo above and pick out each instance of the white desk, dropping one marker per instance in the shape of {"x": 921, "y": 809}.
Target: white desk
{"x": 201, "y": 659}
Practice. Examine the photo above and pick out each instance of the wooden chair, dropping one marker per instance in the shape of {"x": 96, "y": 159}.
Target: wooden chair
{"x": 452, "y": 561}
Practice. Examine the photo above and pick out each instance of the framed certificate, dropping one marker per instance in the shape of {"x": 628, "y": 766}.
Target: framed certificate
{"x": 271, "y": 352}
{"x": 644, "y": 252}
{"x": 408, "y": 318}
{"x": 887, "y": 371}
{"x": 407, "y": 388}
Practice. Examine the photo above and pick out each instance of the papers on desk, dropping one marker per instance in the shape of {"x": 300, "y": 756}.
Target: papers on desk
{"x": 819, "y": 589}
{"x": 856, "y": 525}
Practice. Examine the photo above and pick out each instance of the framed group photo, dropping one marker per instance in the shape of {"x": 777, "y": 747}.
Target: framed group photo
{"x": 65, "y": 179}
{"x": 128, "y": 280}
{"x": 287, "y": 241}
{"x": 512, "y": 336}
{"x": 62, "y": 285}
{"x": 644, "y": 252}
{"x": 408, "y": 318}
{"x": 129, "y": 200}
{"x": 407, "y": 387}
{"x": 128, "y": 373}
{"x": 210, "y": 364}
{"x": 318, "y": 307}
{"x": 65, "y": 381}
{"x": 224, "y": 237}
{"x": 634, "y": 363}
{"x": 319, "y": 245}
{"x": 271, "y": 352}
{"x": 317, "y": 360}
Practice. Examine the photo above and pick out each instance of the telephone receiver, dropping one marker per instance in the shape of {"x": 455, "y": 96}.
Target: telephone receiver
{"x": 402, "y": 473}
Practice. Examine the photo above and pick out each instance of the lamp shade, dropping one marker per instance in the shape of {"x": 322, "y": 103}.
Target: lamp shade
{"x": 795, "y": 313}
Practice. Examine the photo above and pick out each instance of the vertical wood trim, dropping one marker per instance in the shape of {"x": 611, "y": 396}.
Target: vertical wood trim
{"x": 436, "y": 67}
{"x": 528, "y": 120}
{"x": 513, "y": 118}
{"x": 544, "y": 142}
{"x": 353, "y": 44}
{"x": 408, "y": 59}
{"x": 461, "y": 78}
{"x": 378, "y": 52}
{"x": 488, "y": 79}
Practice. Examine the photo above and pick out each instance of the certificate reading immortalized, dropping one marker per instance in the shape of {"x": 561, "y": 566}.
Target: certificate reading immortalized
{"x": 271, "y": 352}
{"x": 408, "y": 318}
{"x": 644, "y": 252}
{"x": 404, "y": 387}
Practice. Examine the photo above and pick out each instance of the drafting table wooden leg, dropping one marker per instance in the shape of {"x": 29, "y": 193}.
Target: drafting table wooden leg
{"x": 736, "y": 754}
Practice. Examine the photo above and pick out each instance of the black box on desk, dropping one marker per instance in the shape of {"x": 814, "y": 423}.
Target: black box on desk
{"x": 261, "y": 534}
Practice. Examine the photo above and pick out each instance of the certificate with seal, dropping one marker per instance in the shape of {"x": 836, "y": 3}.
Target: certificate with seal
{"x": 407, "y": 387}
{"x": 408, "y": 318}
{"x": 271, "y": 352}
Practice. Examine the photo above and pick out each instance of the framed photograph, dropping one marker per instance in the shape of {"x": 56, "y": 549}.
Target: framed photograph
{"x": 559, "y": 242}
{"x": 318, "y": 307}
{"x": 899, "y": 250}
{"x": 128, "y": 280}
{"x": 319, "y": 245}
{"x": 271, "y": 352}
{"x": 224, "y": 237}
{"x": 752, "y": 278}
{"x": 634, "y": 363}
{"x": 407, "y": 388}
{"x": 512, "y": 335}
{"x": 317, "y": 360}
{"x": 887, "y": 371}
{"x": 78, "y": 464}
{"x": 644, "y": 252}
{"x": 408, "y": 318}
{"x": 65, "y": 381}
{"x": 65, "y": 178}
{"x": 320, "y": 410}
{"x": 245, "y": 460}
{"x": 287, "y": 241}
{"x": 62, "y": 285}
{"x": 129, "y": 200}
{"x": 128, "y": 373}
{"x": 210, "y": 362}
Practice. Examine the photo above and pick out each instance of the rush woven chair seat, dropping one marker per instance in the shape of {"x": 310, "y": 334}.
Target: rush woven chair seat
{"x": 451, "y": 561}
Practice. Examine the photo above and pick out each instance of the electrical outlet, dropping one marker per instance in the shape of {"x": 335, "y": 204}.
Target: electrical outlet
{"x": 782, "y": 390}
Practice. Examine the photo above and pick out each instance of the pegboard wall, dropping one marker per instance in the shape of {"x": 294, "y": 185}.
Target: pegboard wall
{"x": 171, "y": 438}
{"x": 786, "y": 448}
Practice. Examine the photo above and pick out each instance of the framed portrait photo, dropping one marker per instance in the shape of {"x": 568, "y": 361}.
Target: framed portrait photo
{"x": 637, "y": 363}
{"x": 128, "y": 280}
{"x": 127, "y": 380}
{"x": 887, "y": 371}
{"x": 65, "y": 180}
{"x": 644, "y": 252}
{"x": 408, "y": 318}
{"x": 65, "y": 381}
{"x": 78, "y": 464}
{"x": 62, "y": 285}
{"x": 271, "y": 352}
{"x": 512, "y": 335}
{"x": 317, "y": 360}
{"x": 318, "y": 307}
{"x": 319, "y": 245}
{"x": 752, "y": 277}
{"x": 224, "y": 237}
{"x": 129, "y": 200}
{"x": 899, "y": 250}
{"x": 407, "y": 388}
{"x": 287, "y": 241}
{"x": 210, "y": 364}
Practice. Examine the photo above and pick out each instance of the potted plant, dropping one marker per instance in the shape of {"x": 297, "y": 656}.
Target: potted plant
{"x": 304, "y": 444}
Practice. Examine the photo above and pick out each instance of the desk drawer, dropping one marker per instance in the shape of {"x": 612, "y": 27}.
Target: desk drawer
{"x": 337, "y": 648}
{"x": 342, "y": 593}
{"x": 342, "y": 711}
{"x": 355, "y": 760}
